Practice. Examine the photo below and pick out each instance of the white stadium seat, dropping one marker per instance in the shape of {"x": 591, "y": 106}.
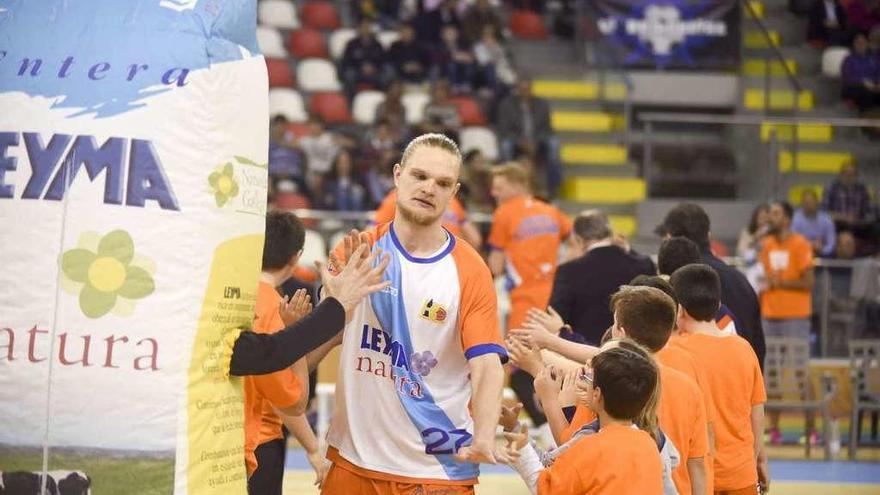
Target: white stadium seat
{"x": 386, "y": 38}
{"x": 278, "y": 13}
{"x": 832, "y": 60}
{"x": 415, "y": 104}
{"x": 481, "y": 138}
{"x": 271, "y": 43}
{"x": 338, "y": 40}
{"x": 314, "y": 249}
{"x": 316, "y": 74}
{"x": 289, "y": 103}
{"x": 365, "y": 104}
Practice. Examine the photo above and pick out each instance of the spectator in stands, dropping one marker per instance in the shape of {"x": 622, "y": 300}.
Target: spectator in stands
{"x": 495, "y": 70}
{"x": 477, "y": 17}
{"x": 384, "y": 12}
{"x": 606, "y": 265}
{"x": 815, "y": 225}
{"x": 691, "y": 221}
{"x": 409, "y": 58}
{"x": 749, "y": 244}
{"x": 846, "y": 246}
{"x": 478, "y": 168}
{"x": 441, "y": 115}
{"x": 860, "y": 76}
{"x": 284, "y": 159}
{"x": 379, "y": 181}
{"x": 523, "y": 126}
{"x": 343, "y": 190}
{"x": 848, "y": 202}
{"x": 827, "y": 24}
{"x": 392, "y": 111}
{"x": 430, "y": 24}
{"x": 320, "y": 147}
{"x": 455, "y": 61}
{"x": 863, "y": 15}
{"x": 362, "y": 61}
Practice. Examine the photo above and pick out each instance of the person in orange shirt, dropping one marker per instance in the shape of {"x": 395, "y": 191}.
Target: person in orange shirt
{"x": 278, "y": 398}
{"x": 619, "y": 457}
{"x": 454, "y": 218}
{"x": 786, "y": 302}
{"x": 736, "y": 384}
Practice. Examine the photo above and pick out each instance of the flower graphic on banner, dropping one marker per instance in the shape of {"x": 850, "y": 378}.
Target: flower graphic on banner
{"x": 106, "y": 274}
{"x": 423, "y": 363}
{"x": 223, "y": 184}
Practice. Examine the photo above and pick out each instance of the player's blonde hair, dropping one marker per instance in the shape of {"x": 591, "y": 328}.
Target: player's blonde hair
{"x": 513, "y": 172}
{"x": 431, "y": 140}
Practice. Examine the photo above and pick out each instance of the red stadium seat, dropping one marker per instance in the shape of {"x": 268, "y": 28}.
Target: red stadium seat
{"x": 469, "y": 111}
{"x": 307, "y": 43}
{"x": 280, "y": 74}
{"x": 527, "y": 25}
{"x": 332, "y": 107}
{"x": 320, "y": 15}
{"x": 299, "y": 129}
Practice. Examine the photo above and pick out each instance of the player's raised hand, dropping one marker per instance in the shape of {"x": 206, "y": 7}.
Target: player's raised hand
{"x": 350, "y": 243}
{"x": 510, "y": 416}
{"x": 527, "y": 359}
{"x": 516, "y": 440}
{"x": 294, "y": 309}
{"x": 361, "y": 277}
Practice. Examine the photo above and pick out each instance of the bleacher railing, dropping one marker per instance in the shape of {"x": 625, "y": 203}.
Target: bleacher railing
{"x": 334, "y": 222}
{"x": 772, "y": 169}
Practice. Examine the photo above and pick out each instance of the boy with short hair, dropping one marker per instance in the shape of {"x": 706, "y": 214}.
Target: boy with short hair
{"x": 278, "y": 398}
{"x": 620, "y": 458}
{"x": 736, "y": 384}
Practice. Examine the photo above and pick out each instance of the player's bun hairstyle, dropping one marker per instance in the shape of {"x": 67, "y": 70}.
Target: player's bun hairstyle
{"x": 626, "y": 378}
{"x": 675, "y": 253}
{"x": 698, "y": 290}
{"x": 432, "y": 140}
{"x": 646, "y": 314}
{"x": 285, "y": 236}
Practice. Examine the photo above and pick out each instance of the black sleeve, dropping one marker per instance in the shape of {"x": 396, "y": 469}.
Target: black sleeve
{"x": 259, "y": 354}
{"x": 561, "y": 296}
{"x": 757, "y": 332}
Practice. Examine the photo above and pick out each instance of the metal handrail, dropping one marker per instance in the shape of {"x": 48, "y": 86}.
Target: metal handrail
{"x": 775, "y": 49}
{"x": 744, "y": 119}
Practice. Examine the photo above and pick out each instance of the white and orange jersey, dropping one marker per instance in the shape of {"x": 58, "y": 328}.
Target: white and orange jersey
{"x": 403, "y": 390}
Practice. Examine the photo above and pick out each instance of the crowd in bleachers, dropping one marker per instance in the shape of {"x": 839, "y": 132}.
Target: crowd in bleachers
{"x": 849, "y": 31}
{"x": 345, "y": 99}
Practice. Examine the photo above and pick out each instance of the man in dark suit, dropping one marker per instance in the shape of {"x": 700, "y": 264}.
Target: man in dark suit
{"x": 691, "y": 221}
{"x": 582, "y": 287}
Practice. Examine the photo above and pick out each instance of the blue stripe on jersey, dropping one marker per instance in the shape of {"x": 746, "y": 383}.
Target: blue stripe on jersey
{"x": 431, "y": 421}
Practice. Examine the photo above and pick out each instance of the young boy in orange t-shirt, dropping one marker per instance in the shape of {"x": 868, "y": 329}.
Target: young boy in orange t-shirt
{"x": 278, "y": 398}
{"x": 620, "y": 458}
{"x": 735, "y": 383}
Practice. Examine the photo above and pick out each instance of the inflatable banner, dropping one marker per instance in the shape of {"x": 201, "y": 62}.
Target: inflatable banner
{"x": 133, "y": 149}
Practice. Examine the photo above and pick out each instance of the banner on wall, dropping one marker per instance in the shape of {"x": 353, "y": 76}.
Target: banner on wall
{"x": 133, "y": 150}
{"x": 672, "y": 34}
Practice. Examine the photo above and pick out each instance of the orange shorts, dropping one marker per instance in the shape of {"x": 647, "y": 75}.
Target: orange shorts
{"x": 749, "y": 490}
{"x": 340, "y": 481}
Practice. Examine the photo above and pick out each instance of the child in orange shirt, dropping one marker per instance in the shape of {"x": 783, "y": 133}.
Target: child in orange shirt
{"x": 278, "y": 398}
{"x": 735, "y": 381}
{"x": 619, "y": 457}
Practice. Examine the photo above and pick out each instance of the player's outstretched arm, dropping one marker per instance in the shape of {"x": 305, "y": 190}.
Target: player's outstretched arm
{"x": 487, "y": 382}
{"x": 257, "y": 354}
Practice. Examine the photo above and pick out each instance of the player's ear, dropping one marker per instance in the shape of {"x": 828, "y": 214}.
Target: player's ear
{"x": 396, "y": 173}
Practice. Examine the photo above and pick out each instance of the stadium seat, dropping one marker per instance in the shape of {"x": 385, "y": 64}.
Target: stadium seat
{"x": 318, "y": 14}
{"x": 271, "y": 42}
{"x": 415, "y": 104}
{"x": 527, "y": 25}
{"x": 832, "y": 61}
{"x": 316, "y": 74}
{"x": 338, "y": 40}
{"x": 307, "y": 43}
{"x": 365, "y": 104}
{"x": 278, "y": 13}
{"x": 299, "y": 129}
{"x": 386, "y": 38}
{"x": 279, "y": 73}
{"x": 481, "y": 138}
{"x": 287, "y": 102}
{"x": 469, "y": 110}
{"x": 314, "y": 249}
{"x": 332, "y": 107}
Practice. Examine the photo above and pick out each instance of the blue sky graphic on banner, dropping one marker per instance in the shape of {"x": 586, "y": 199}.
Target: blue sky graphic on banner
{"x": 123, "y": 62}
{"x": 672, "y": 34}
